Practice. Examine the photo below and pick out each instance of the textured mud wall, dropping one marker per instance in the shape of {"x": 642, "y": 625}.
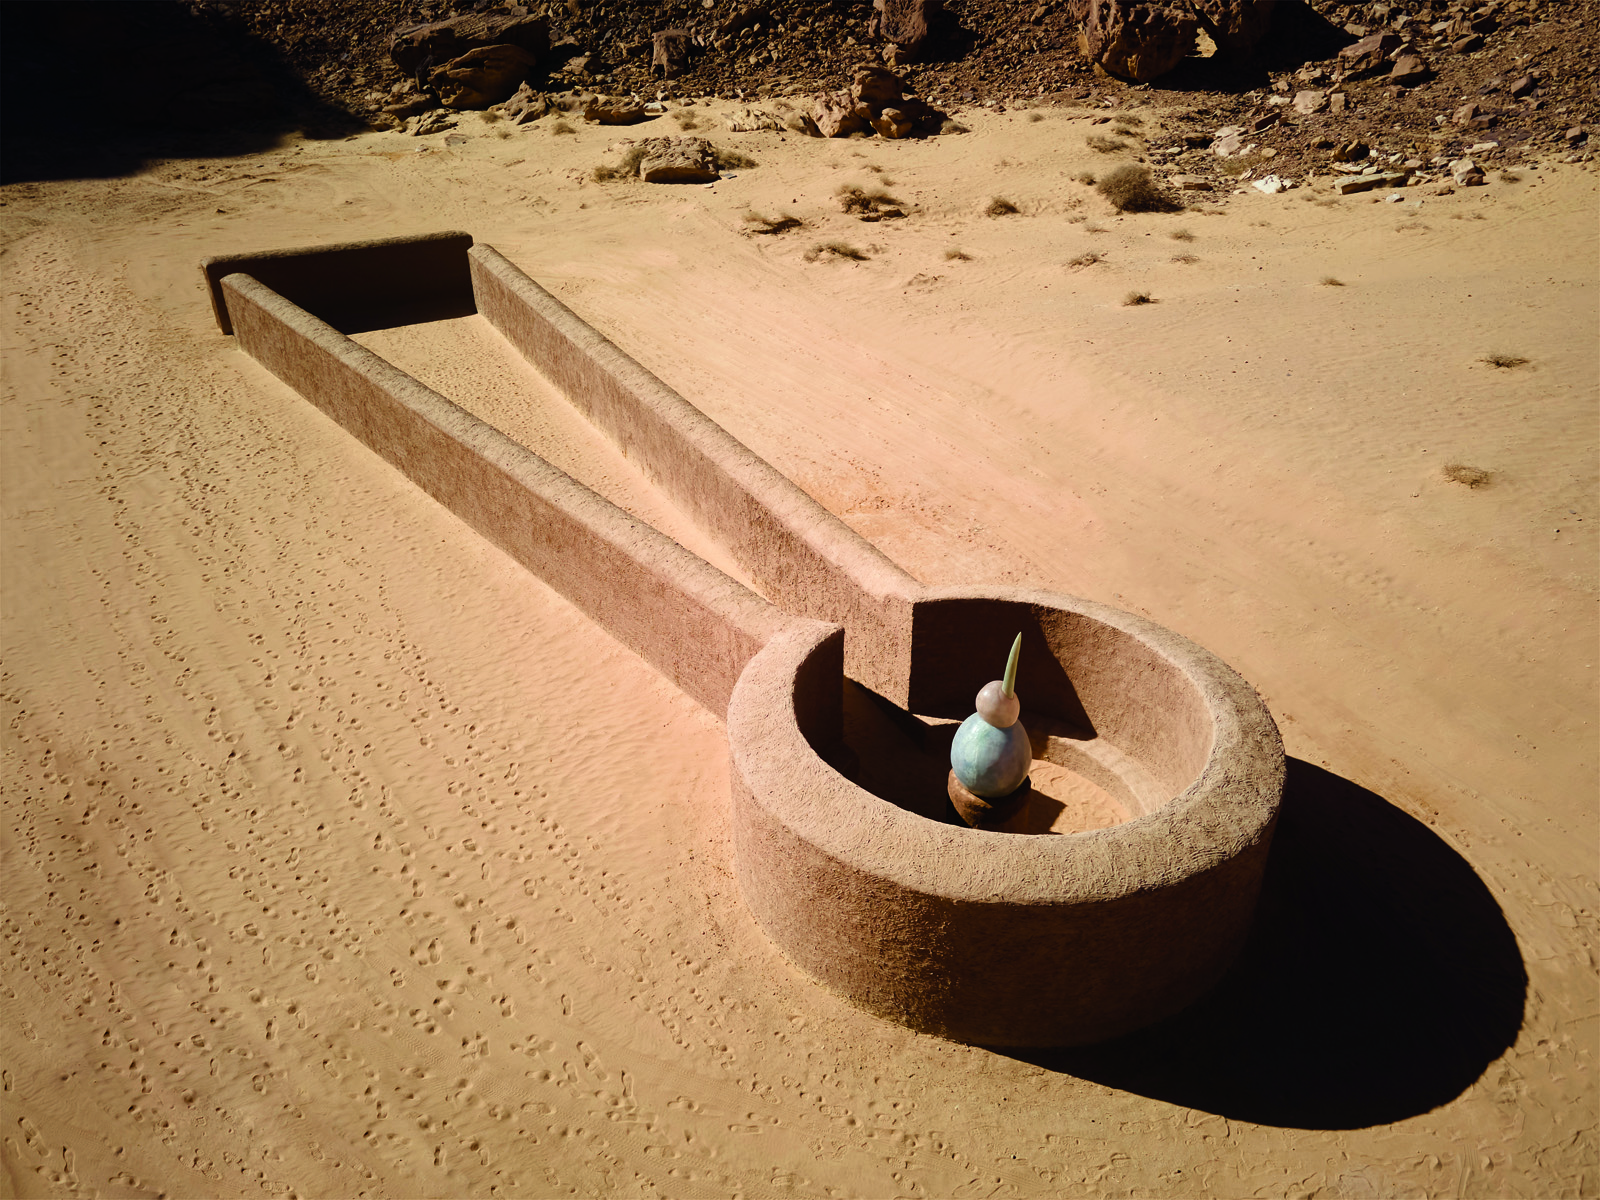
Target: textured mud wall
{"x": 690, "y": 621}
{"x": 802, "y": 557}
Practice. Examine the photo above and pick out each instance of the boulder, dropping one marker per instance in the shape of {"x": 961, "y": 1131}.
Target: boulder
{"x": 672, "y": 48}
{"x": 1466, "y": 173}
{"x": 1236, "y": 26}
{"x": 677, "y": 160}
{"x": 908, "y": 24}
{"x": 894, "y": 123}
{"x": 875, "y": 87}
{"x": 603, "y": 111}
{"x": 1369, "y": 54}
{"x": 753, "y": 120}
{"x": 1410, "y": 69}
{"x": 416, "y": 47}
{"x": 1308, "y": 102}
{"x": 525, "y": 105}
{"x": 481, "y": 77}
{"x": 837, "y": 116}
{"x": 1138, "y": 40}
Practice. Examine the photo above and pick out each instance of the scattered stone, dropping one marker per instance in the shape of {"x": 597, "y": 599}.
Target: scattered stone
{"x": 876, "y": 87}
{"x": 1467, "y": 44}
{"x": 436, "y": 121}
{"x": 1576, "y": 134}
{"x": 1466, "y": 173}
{"x": 1190, "y": 183}
{"x": 1466, "y": 114}
{"x": 415, "y": 48}
{"x": 753, "y": 120}
{"x": 836, "y": 115}
{"x": 1271, "y": 185}
{"x": 1368, "y": 183}
{"x": 1310, "y": 101}
{"x": 677, "y": 160}
{"x": 893, "y": 123}
{"x": 1338, "y": 102}
{"x": 908, "y": 24}
{"x": 481, "y": 77}
{"x": 1350, "y": 152}
{"x": 1521, "y": 87}
{"x": 875, "y": 101}
{"x": 1266, "y": 122}
{"x": 671, "y": 49}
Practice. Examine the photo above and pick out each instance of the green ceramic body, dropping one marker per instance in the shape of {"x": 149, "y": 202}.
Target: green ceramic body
{"x": 990, "y": 762}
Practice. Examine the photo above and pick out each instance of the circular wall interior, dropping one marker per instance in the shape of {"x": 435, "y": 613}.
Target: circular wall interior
{"x": 985, "y": 936}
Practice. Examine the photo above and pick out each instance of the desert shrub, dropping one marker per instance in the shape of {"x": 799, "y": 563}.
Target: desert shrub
{"x": 782, "y": 224}
{"x": 685, "y": 119}
{"x": 1505, "y": 360}
{"x": 999, "y": 206}
{"x": 874, "y": 205}
{"x": 626, "y": 169}
{"x": 1035, "y": 116}
{"x": 835, "y": 250}
{"x": 1181, "y": 235}
{"x": 953, "y": 127}
{"x": 1084, "y": 177}
{"x": 732, "y": 160}
{"x": 956, "y": 254}
{"x": 1105, "y": 145}
{"x": 1130, "y": 188}
{"x": 562, "y": 127}
{"x": 1186, "y": 259}
{"x": 1472, "y": 477}
{"x": 1331, "y": 281}
{"x": 1134, "y": 299}
{"x": 1087, "y": 259}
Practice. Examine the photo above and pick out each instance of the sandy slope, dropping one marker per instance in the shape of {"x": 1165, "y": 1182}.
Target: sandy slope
{"x": 342, "y": 857}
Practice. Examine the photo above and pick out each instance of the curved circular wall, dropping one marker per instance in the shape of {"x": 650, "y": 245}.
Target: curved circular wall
{"x": 996, "y": 938}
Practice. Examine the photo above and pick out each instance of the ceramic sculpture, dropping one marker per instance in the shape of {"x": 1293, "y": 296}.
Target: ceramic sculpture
{"x": 991, "y": 753}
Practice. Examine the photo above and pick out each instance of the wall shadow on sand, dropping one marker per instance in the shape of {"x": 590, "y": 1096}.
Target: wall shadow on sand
{"x": 1380, "y": 981}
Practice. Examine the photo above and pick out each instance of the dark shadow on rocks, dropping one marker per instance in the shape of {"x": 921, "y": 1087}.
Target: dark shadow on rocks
{"x": 1298, "y": 35}
{"x": 1380, "y": 981}
{"x": 96, "y": 89}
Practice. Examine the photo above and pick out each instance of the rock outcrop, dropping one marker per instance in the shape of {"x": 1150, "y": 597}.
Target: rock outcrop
{"x": 420, "y": 47}
{"x": 875, "y": 101}
{"x": 677, "y": 160}
{"x": 481, "y": 77}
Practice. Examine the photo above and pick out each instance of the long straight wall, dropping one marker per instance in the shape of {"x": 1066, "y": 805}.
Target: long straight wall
{"x": 690, "y": 621}
{"x": 804, "y": 558}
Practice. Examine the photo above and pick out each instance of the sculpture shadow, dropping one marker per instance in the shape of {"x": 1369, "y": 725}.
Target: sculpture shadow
{"x": 94, "y": 89}
{"x": 1379, "y": 982}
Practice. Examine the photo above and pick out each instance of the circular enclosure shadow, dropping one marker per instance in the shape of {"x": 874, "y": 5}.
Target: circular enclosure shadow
{"x": 1379, "y": 982}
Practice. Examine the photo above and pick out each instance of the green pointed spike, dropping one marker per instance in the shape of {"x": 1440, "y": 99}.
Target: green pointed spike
{"x": 1010, "y": 682}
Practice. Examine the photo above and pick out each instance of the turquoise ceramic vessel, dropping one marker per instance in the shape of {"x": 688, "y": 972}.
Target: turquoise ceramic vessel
{"x": 990, "y": 762}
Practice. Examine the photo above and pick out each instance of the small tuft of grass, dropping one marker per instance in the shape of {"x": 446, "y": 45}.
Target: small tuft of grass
{"x": 732, "y": 160}
{"x": 1095, "y": 229}
{"x": 1330, "y": 281}
{"x": 999, "y": 206}
{"x": 562, "y": 127}
{"x": 685, "y": 119}
{"x": 1035, "y": 116}
{"x": 1131, "y": 188}
{"x": 1510, "y": 177}
{"x": 1181, "y": 235}
{"x": 956, "y": 254}
{"x": 1505, "y": 361}
{"x": 1472, "y": 477}
{"x": 835, "y": 250}
{"x": 756, "y": 223}
{"x": 1134, "y": 299}
{"x": 626, "y": 169}
{"x": 1084, "y": 177}
{"x": 953, "y": 127}
{"x": 1185, "y": 258}
{"x": 1104, "y": 145}
{"x": 1087, "y": 259}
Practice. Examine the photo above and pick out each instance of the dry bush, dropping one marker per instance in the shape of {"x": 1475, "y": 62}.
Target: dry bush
{"x": 1134, "y": 299}
{"x": 1181, "y": 235}
{"x": 1330, "y": 281}
{"x": 1084, "y": 177}
{"x": 731, "y": 160}
{"x": 626, "y": 169}
{"x": 1509, "y": 177}
{"x": 956, "y": 254}
{"x": 1035, "y": 116}
{"x": 999, "y": 206}
{"x": 1131, "y": 188}
{"x": 1087, "y": 259}
{"x": 1506, "y": 361}
{"x": 953, "y": 127}
{"x": 562, "y": 127}
{"x": 1185, "y": 258}
{"x": 756, "y": 223}
{"x": 1095, "y": 229}
{"x": 1105, "y": 145}
{"x": 685, "y": 119}
{"x": 1472, "y": 477}
{"x": 864, "y": 205}
{"x": 835, "y": 250}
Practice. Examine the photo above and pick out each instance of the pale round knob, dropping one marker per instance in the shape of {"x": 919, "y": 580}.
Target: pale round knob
{"x": 997, "y": 708}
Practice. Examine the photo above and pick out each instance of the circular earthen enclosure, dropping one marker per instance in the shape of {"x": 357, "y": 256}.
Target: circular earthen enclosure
{"x": 998, "y": 938}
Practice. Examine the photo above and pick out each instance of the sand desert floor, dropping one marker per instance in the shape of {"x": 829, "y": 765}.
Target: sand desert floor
{"x": 342, "y": 857}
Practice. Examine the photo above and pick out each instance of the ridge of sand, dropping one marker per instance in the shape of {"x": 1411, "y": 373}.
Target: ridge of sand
{"x": 342, "y": 857}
